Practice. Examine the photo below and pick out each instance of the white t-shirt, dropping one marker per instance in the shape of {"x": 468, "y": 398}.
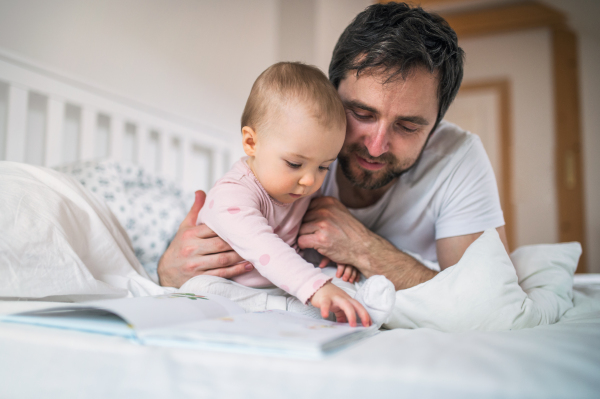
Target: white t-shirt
{"x": 451, "y": 191}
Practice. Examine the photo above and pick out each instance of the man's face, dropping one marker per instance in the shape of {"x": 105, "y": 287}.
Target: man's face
{"x": 388, "y": 125}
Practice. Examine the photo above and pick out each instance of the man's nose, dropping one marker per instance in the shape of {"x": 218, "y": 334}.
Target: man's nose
{"x": 378, "y": 141}
{"x": 308, "y": 179}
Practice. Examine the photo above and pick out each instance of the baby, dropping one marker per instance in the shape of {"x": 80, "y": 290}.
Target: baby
{"x": 293, "y": 127}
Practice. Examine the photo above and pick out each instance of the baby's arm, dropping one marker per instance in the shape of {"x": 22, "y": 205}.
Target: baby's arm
{"x": 233, "y": 212}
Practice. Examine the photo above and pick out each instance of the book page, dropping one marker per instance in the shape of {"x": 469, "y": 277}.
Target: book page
{"x": 168, "y": 310}
{"x": 273, "y": 329}
{"x": 139, "y": 313}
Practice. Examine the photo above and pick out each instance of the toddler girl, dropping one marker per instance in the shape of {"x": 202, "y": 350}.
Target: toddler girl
{"x": 293, "y": 127}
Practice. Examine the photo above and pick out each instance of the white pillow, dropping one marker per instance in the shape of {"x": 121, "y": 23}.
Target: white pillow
{"x": 60, "y": 242}
{"x": 546, "y": 274}
{"x": 149, "y": 208}
{"x": 482, "y": 291}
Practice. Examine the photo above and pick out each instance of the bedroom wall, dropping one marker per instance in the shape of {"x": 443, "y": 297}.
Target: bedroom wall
{"x": 524, "y": 58}
{"x": 589, "y": 56}
{"x": 193, "y": 59}
{"x": 309, "y": 29}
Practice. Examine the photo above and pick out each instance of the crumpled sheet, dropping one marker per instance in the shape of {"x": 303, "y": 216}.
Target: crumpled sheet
{"x": 491, "y": 291}
{"x": 58, "y": 242}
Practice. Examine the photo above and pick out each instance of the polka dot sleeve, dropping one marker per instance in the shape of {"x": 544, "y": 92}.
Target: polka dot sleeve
{"x": 233, "y": 212}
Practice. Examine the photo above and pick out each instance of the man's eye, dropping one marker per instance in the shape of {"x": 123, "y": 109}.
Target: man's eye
{"x": 293, "y": 165}
{"x": 408, "y": 129}
{"x": 361, "y": 116}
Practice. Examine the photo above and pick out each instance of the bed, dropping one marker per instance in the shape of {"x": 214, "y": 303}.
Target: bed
{"x": 146, "y": 158}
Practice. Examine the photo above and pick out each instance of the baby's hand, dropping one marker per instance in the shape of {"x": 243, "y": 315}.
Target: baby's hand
{"x": 345, "y": 272}
{"x": 329, "y": 297}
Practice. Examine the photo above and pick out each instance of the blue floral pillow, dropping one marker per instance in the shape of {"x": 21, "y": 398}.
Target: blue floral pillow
{"x": 148, "y": 207}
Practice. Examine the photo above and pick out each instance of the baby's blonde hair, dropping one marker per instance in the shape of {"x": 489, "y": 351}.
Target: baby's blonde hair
{"x": 291, "y": 84}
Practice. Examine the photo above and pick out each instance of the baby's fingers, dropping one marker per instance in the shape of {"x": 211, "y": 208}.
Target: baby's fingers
{"x": 340, "y": 316}
{"x": 348, "y": 273}
{"x": 349, "y": 311}
{"x": 354, "y": 275}
{"x": 325, "y": 305}
{"x": 340, "y": 270}
{"x": 362, "y": 313}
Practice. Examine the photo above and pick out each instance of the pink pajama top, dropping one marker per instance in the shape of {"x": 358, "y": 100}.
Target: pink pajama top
{"x": 263, "y": 231}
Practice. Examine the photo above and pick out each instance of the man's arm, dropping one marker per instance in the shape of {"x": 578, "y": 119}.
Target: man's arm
{"x": 198, "y": 250}
{"x": 331, "y": 230}
{"x": 450, "y": 250}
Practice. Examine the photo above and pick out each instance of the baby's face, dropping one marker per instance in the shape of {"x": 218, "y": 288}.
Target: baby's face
{"x": 293, "y": 154}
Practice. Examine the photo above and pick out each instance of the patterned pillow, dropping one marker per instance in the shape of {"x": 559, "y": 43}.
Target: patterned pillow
{"x": 148, "y": 207}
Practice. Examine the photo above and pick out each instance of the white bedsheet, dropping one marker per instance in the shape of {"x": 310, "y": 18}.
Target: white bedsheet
{"x": 554, "y": 361}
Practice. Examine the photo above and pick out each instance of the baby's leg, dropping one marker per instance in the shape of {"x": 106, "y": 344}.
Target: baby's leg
{"x": 250, "y": 299}
{"x": 377, "y": 294}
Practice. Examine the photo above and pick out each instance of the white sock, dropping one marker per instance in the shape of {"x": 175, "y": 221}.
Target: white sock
{"x": 378, "y": 295}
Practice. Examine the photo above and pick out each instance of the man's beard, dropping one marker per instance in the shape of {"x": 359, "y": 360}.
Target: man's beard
{"x": 372, "y": 180}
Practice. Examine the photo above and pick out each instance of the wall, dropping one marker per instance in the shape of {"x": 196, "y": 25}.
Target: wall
{"x": 309, "y": 29}
{"x": 525, "y": 59}
{"x": 589, "y": 60}
{"x": 193, "y": 59}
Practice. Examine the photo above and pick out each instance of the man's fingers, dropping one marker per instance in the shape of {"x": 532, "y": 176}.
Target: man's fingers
{"x": 340, "y": 270}
{"x": 324, "y": 262}
{"x": 192, "y": 216}
{"x": 232, "y": 271}
{"x": 307, "y": 241}
{"x": 213, "y": 245}
{"x": 307, "y": 228}
{"x": 320, "y": 201}
{"x": 204, "y": 263}
{"x": 203, "y": 231}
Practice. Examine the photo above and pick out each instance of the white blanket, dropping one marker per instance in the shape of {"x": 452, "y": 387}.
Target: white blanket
{"x": 58, "y": 242}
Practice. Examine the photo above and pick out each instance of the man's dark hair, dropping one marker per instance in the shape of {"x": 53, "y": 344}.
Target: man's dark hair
{"x": 395, "y": 38}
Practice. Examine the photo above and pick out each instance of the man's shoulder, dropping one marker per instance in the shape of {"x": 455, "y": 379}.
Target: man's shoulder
{"x": 450, "y": 139}
{"x": 448, "y": 148}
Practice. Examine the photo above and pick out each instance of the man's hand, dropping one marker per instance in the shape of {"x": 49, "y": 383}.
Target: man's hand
{"x": 329, "y": 228}
{"x": 198, "y": 250}
{"x": 329, "y": 297}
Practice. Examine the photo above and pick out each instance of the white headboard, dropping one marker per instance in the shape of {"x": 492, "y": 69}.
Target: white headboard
{"x": 49, "y": 120}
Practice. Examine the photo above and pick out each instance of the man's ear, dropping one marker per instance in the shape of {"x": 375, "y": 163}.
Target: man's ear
{"x": 249, "y": 140}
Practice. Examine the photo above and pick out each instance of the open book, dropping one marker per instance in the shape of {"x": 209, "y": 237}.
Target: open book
{"x": 199, "y": 321}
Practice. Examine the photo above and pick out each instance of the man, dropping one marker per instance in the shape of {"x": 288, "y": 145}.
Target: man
{"x": 404, "y": 181}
